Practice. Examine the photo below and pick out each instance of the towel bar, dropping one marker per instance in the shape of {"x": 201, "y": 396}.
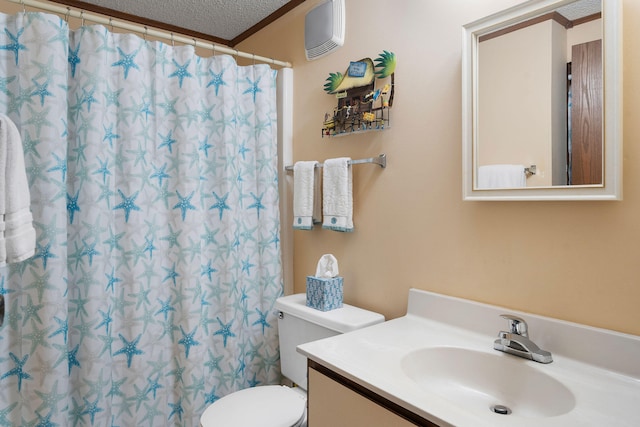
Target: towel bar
{"x": 531, "y": 170}
{"x": 381, "y": 161}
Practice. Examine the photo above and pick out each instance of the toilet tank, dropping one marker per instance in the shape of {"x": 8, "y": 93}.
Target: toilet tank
{"x": 299, "y": 324}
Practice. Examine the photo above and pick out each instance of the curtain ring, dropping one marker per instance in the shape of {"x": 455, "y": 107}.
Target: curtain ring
{"x": 173, "y": 43}
{"x": 24, "y": 8}
{"x": 213, "y": 47}
{"x": 146, "y": 31}
{"x": 254, "y": 59}
{"x": 111, "y": 23}
{"x": 66, "y": 15}
{"x": 194, "y": 42}
{"x": 82, "y": 18}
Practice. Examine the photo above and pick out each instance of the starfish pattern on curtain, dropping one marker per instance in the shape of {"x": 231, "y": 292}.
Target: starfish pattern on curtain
{"x": 153, "y": 180}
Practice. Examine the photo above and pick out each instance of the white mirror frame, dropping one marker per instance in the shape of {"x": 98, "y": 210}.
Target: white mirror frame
{"x": 611, "y": 189}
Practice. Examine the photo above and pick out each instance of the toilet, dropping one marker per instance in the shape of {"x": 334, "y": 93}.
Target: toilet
{"x": 278, "y": 405}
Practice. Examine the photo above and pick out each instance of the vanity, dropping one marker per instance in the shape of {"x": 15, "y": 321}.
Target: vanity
{"x": 338, "y": 401}
{"x": 436, "y": 366}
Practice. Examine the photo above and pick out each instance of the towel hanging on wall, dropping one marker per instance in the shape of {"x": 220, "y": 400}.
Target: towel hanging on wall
{"x": 501, "y": 176}
{"x": 337, "y": 195}
{"x": 306, "y": 195}
{"x": 17, "y": 235}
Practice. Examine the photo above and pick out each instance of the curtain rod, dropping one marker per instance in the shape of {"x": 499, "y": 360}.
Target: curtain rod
{"x": 164, "y": 35}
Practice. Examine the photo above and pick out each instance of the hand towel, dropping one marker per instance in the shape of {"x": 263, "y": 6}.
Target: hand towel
{"x": 17, "y": 235}
{"x": 337, "y": 195}
{"x": 306, "y": 195}
{"x": 501, "y": 176}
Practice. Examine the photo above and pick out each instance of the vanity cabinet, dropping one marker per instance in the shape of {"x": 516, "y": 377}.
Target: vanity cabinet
{"x": 336, "y": 401}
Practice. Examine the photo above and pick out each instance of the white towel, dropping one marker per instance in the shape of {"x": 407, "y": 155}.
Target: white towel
{"x": 306, "y": 195}
{"x": 17, "y": 235}
{"x": 501, "y": 176}
{"x": 337, "y": 195}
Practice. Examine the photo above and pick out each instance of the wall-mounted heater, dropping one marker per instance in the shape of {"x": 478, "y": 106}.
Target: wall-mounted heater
{"x": 324, "y": 29}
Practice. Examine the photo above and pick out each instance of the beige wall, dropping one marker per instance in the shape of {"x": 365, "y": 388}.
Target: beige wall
{"x": 578, "y": 261}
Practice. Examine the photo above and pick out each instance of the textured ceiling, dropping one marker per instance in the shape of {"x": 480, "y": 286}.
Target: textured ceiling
{"x": 580, "y": 9}
{"x": 226, "y": 20}
{"x": 222, "y": 19}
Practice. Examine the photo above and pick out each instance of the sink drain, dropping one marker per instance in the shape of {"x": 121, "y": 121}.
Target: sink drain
{"x": 501, "y": 409}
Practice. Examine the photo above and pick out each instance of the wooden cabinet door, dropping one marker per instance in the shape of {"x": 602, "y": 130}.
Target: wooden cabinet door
{"x": 332, "y": 404}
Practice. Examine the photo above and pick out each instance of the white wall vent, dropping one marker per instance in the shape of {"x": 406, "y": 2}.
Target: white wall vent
{"x": 324, "y": 29}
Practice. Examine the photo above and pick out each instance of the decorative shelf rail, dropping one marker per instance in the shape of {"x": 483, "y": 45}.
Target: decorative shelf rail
{"x": 381, "y": 161}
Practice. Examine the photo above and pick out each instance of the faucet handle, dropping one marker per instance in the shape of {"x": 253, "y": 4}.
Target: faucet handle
{"x": 517, "y": 325}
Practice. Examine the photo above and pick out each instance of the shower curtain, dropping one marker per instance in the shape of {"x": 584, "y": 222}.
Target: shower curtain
{"x": 153, "y": 183}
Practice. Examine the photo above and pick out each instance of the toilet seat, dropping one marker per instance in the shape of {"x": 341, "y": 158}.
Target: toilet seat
{"x": 264, "y": 406}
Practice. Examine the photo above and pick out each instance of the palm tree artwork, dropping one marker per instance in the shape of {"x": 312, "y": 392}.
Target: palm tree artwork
{"x": 360, "y": 105}
{"x": 386, "y": 64}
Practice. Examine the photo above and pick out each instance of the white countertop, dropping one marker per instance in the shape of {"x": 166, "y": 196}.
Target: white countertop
{"x": 606, "y": 389}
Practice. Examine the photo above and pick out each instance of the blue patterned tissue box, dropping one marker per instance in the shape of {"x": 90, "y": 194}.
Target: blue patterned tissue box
{"x": 324, "y": 294}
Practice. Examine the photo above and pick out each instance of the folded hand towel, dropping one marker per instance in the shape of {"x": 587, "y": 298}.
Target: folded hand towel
{"x": 17, "y": 235}
{"x": 337, "y": 195}
{"x": 306, "y": 195}
{"x": 501, "y": 176}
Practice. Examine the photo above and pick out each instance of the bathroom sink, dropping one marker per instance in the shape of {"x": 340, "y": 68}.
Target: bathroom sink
{"x": 438, "y": 364}
{"x": 489, "y": 383}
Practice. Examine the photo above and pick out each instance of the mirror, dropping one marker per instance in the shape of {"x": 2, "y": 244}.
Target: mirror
{"x": 542, "y": 102}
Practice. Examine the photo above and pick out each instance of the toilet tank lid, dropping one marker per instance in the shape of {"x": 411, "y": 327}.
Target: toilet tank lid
{"x": 345, "y": 319}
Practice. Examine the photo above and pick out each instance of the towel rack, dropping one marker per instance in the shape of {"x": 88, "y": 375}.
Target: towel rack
{"x": 380, "y": 160}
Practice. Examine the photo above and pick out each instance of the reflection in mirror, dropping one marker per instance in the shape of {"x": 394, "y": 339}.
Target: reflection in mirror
{"x": 525, "y": 97}
{"x": 536, "y": 110}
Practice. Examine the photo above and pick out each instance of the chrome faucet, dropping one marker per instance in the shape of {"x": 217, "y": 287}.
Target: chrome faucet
{"x": 516, "y": 341}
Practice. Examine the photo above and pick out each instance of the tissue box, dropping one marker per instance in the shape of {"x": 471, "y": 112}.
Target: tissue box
{"x": 324, "y": 294}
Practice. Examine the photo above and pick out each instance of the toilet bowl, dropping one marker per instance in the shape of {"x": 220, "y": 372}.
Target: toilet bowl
{"x": 278, "y": 405}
